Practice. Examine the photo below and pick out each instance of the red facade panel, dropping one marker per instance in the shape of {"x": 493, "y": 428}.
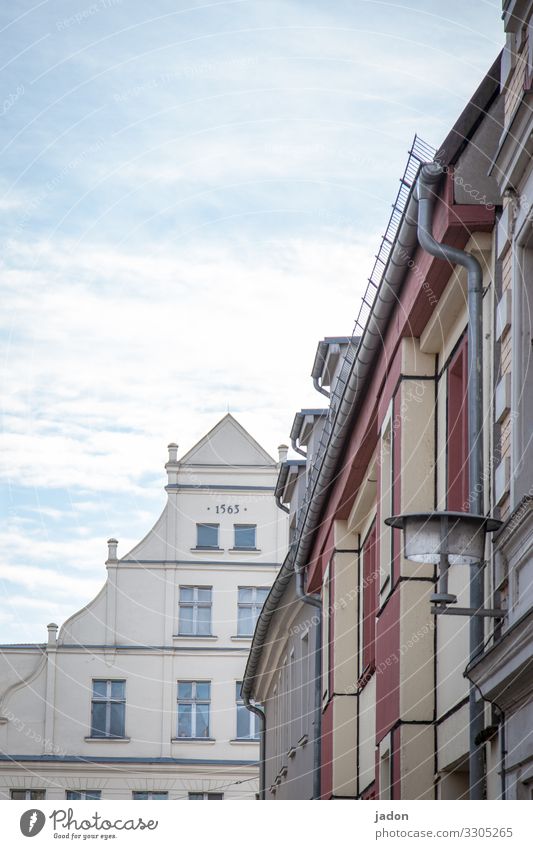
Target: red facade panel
{"x": 370, "y": 585}
{"x": 457, "y": 436}
{"x": 387, "y": 665}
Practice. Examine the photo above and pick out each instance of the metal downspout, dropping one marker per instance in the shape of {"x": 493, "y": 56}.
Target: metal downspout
{"x": 315, "y": 601}
{"x": 259, "y": 712}
{"x": 320, "y": 388}
{"x": 280, "y": 505}
{"x": 297, "y": 448}
{"x": 428, "y": 180}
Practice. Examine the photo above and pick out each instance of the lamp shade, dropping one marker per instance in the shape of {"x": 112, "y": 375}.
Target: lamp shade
{"x": 458, "y": 536}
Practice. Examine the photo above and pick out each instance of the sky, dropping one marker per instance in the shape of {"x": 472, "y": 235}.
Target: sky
{"x": 191, "y": 196}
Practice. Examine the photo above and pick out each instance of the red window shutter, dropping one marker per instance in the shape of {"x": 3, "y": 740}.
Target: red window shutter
{"x": 457, "y": 436}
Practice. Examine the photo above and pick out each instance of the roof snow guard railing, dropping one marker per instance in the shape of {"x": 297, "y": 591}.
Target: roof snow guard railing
{"x": 419, "y": 153}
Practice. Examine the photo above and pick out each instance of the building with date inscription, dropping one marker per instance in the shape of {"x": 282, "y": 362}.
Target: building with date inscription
{"x": 138, "y": 694}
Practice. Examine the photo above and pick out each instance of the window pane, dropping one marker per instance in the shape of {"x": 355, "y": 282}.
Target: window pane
{"x": 203, "y": 689}
{"x": 138, "y": 795}
{"x": 244, "y": 536}
{"x": 186, "y": 593}
{"x": 243, "y": 722}
{"x": 18, "y": 794}
{"x": 186, "y": 620}
{"x": 212, "y": 797}
{"x": 184, "y": 720}
{"x": 238, "y": 686}
{"x": 245, "y": 622}
{"x": 261, "y": 595}
{"x": 117, "y": 720}
{"x": 37, "y": 794}
{"x": 98, "y": 719}
{"x": 117, "y": 689}
{"x": 202, "y": 720}
{"x": 196, "y": 796}
{"x": 159, "y": 795}
{"x": 73, "y": 794}
{"x": 100, "y": 689}
{"x": 207, "y": 536}
{"x": 204, "y": 593}
{"x": 245, "y": 594}
{"x": 184, "y": 689}
{"x": 204, "y": 620}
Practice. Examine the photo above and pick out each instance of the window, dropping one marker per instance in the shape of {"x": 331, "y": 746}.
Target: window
{"x": 84, "y": 794}
{"x": 149, "y": 794}
{"x": 327, "y": 634}
{"x": 108, "y": 708}
{"x": 386, "y": 504}
{"x": 210, "y": 797}
{"x": 28, "y": 794}
{"x": 194, "y": 699}
{"x": 207, "y": 536}
{"x": 195, "y": 611}
{"x": 245, "y": 536}
{"x": 247, "y": 722}
{"x": 251, "y": 600}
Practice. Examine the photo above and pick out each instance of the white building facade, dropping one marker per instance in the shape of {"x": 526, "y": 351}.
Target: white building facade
{"x": 138, "y": 696}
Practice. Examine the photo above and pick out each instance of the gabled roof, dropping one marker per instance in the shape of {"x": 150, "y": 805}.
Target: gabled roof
{"x": 228, "y": 443}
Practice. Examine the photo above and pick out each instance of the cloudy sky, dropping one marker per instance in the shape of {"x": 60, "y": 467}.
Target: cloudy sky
{"x": 191, "y": 196}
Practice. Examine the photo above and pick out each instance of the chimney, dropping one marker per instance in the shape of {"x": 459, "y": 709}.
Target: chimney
{"x": 112, "y": 550}
{"x": 172, "y": 466}
{"x": 52, "y": 634}
{"x": 282, "y": 452}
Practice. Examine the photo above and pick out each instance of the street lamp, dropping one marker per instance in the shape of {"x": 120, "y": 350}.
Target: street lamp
{"x": 446, "y": 538}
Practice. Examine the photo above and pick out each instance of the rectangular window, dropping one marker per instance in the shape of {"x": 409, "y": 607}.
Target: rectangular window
{"x": 209, "y": 797}
{"x": 28, "y": 794}
{"x": 207, "y": 535}
{"x": 327, "y": 635}
{"x": 386, "y": 506}
{"x": 84, "y": 794}
{"x": 149, "y": 794}
{"x": 247, "y": 722}
{"x": 195, "y": 611}
{"x": 369, "y": 596}
{"x": 245, "y": 536}
{"x": 457, "y": 437}
{"x": 108, "y": 708}
{"x": 194, "y": 701}
{"x": 251, "y": 600}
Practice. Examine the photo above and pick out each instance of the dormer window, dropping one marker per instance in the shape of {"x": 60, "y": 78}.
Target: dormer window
{"x": 207, "y": 536}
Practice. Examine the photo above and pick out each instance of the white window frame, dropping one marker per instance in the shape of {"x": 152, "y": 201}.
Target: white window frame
{"x": 206, "y": 797}
{"x": 326, "y": 632}
{"x": 82, "y": 794}
{"x": 386, "y": 472}
{"x": 248, "y": 526}
{"x": 253, "y": 605}
{"x": 194, "y": 701}
{"x": 151, "y": 795}
{"x": 108, "y": 701}
{"x": 207, "y": 525}
{"x": 28, "y": 794}
{"x": 195, "y": 604}
{"x": 253, "y": 719}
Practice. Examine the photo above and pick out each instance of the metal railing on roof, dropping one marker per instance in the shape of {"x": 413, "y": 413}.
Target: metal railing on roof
{"x": 419, "y": 153}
